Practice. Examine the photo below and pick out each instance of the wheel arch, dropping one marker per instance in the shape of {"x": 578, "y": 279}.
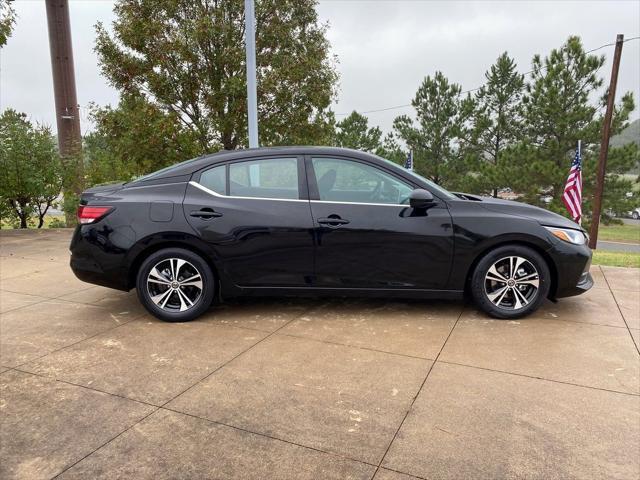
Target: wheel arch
{"x": 523, "y": 243}
{"x": 148, "y": 246}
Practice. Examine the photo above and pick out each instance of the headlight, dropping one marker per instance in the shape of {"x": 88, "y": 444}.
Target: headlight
{"x": 576, "y": 237}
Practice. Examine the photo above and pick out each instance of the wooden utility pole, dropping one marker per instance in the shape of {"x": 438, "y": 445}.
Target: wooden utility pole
{"x": 66, "y": 102}
{"x": 604, "y": 145}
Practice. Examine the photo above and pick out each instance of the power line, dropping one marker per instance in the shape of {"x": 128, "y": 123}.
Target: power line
{"x": 478, "y": 88}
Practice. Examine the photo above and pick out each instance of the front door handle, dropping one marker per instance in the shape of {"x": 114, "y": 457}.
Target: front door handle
{"x": 205, "y": 213}
{"x": 333, "y": 221}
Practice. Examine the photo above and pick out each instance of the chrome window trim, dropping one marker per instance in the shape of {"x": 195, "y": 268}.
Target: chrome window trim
{"x": 216, "y": 194}
{"x": 362, "y": 203}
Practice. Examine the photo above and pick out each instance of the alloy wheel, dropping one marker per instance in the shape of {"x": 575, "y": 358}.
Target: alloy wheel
{"x": 174, "y": 285}
{"x": 512, "y": 283}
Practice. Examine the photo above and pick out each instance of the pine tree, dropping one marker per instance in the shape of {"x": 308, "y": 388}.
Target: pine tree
{"x": 441, "y": 115}
{"x": 391, "y": 150}
{"x": 560, "y": 107}
{"x": 495, "y": 125}
{"x": 354, "y": 132}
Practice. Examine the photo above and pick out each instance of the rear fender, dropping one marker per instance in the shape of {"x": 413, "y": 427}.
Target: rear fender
{"x": 148, "y": 245}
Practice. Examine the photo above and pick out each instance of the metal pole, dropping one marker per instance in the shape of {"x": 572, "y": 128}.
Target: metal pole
{"x": 604, "y": 145}
{"x": 252, "y": 97}
{"x": 580, "y": 157}
{"x": 64, "y": 89}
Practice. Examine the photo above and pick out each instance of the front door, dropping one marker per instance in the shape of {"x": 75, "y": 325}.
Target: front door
{"x": 255, "y": 216}
{"x": 367, "y": 236}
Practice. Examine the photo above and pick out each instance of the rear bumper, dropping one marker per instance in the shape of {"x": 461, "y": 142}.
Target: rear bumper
{"x": 93, "y": 261}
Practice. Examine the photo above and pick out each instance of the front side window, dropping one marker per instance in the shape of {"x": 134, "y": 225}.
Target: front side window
{"x": 268, "y": 178}
{"x": 341, "y": 180}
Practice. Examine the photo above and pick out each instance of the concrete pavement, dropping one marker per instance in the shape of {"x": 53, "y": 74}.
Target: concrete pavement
{"x": 93, "y": 387}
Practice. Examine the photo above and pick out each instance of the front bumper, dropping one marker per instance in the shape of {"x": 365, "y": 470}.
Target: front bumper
{"x": 584, "y": 283}
{"x": 572, "y": 263}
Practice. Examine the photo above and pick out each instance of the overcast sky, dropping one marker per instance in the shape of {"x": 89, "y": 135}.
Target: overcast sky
{"x": 385, "y": 48}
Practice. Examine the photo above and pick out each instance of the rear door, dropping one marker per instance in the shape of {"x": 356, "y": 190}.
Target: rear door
{"x": 367, "y": 235}
{"x": 255, "y": 215}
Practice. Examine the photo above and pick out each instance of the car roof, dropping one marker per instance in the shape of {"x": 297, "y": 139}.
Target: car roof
{"x": 190, "y": 166}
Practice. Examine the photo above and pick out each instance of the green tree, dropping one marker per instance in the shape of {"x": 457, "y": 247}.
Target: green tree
{"x": 562, "y": 104}
{"x": 391, "y": 150}
{"x": 434, "y": 138}
{"x": 31, "y": 169}
{"x": 7, "y": 21}
{"x": 496, "y": 124}
{"x": 187, "y": 57}
{"x": 134, "y": 139}
{"x": 354, "y": 132}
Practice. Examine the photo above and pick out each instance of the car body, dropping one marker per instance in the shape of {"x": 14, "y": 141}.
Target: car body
{"x": 316, "y": 221}
{"x": 635, "y": 213}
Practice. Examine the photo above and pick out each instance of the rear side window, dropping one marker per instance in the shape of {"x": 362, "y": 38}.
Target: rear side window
{"x": 215, "y": 179}
{"x": 268, "y": 178}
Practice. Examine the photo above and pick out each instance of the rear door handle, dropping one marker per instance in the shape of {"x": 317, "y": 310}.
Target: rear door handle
{"x": 205, "y": 213}
{"x": 333, "y": 221}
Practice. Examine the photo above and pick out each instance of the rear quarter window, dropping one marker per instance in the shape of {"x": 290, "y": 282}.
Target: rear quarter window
{"x": 215, "y": 179}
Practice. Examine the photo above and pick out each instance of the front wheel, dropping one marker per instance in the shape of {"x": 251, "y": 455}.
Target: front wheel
{"x": 175, "y": 285}
{"x": 510, "y": 282}
{"x": 635, "y": 215}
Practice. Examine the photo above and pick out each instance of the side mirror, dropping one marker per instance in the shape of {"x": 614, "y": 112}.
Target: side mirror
{"x": 420, "y": 199}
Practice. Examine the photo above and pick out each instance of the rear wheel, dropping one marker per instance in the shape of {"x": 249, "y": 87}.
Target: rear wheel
{"x": 175, "y": 285}
{"x": 510, "y": 282}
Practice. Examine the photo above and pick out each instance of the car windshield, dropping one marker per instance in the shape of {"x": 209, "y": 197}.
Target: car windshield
{"x": 441, "y": 192}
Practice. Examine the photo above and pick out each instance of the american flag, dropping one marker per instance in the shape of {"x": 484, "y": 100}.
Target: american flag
{"x": 408, "y": 163}
{"x": 572, "y": 196}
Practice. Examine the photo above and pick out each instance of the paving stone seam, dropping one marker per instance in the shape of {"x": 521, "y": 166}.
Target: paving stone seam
{"x": 406, "y": 415}
{"x": 44, "y": 270}
{"x": 412, "y": 475}
{"x": 573, "y": 321}
{"x": 48, "y": 298}
{"x": 540, "y": 378}
{"x": 369, "y": 349}
{"x": 272, "y": 437}
{"x": 619, "y": 309}
{"x": 86, "y": 387}
{"x": 56, "y": 262}
{"x": 44, "y": 299}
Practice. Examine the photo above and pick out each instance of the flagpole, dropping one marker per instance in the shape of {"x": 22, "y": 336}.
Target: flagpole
{"x": 580, "y": 156}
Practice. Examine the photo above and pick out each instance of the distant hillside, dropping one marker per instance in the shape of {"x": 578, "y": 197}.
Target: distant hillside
{"x": 631, "y": 134}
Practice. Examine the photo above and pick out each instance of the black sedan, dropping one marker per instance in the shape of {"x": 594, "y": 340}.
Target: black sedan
{"x": 319, "y": 221}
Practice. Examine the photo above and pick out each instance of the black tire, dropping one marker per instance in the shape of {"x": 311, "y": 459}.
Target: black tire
{"x": 510, "y": 307}
{"x": 201, "y": 302}
{"x": 635, "y": 215}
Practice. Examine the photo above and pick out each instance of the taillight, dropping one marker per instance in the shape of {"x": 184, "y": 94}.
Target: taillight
{"x": 90, "y": 214}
